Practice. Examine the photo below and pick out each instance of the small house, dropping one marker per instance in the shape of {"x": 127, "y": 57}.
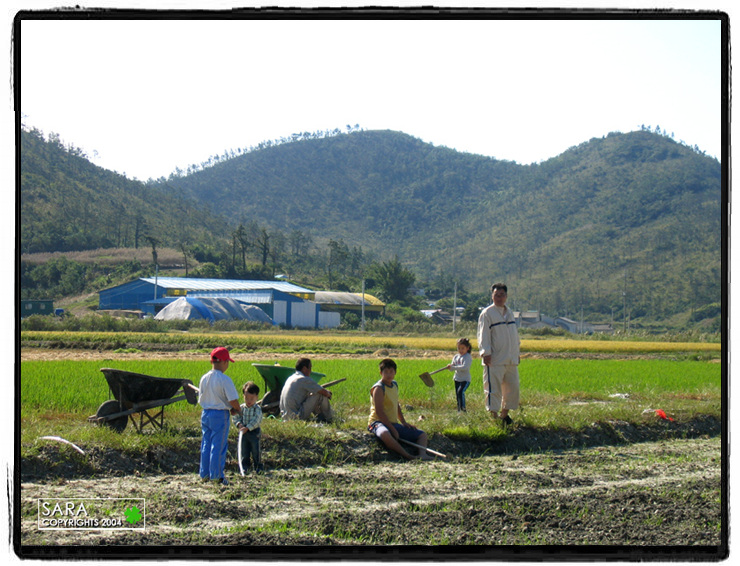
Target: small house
{"x": 29, "y": 307}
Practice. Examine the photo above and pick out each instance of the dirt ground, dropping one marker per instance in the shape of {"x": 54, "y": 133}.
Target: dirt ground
{"x": 635, "y": 496}
{"x": 616, "y": 490}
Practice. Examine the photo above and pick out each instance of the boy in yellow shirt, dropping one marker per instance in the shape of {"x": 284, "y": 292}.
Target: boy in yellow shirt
{"x": 386, "y": 419}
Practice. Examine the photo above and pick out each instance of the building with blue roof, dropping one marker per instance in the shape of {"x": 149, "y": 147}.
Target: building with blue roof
{"x": 285, "y": 303}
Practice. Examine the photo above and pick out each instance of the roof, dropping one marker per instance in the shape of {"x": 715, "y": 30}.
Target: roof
{"x": 196, "y": 284}
{"x": 262, "y": 296}
{"x": 342, "y": 298}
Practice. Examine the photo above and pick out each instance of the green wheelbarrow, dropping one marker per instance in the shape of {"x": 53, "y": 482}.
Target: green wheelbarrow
{"x": 275, "y": 376}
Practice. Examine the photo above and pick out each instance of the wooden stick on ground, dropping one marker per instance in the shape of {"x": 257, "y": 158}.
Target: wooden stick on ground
{"x": 423, "y": 447}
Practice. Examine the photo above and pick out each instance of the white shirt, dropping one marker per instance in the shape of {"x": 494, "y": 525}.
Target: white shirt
{"x": 498, "y": 336}
{"x": 216, "y": 391}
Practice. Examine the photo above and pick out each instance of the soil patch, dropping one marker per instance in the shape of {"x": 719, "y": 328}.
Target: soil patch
{"x": 39, "y": 351}
{"x": 629, "y": 497}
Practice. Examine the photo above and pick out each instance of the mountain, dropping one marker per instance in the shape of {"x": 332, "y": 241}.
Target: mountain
{"x": 625, "y": 224}
{"x": 625, "y": 221}
{"x": 70, "y": 204}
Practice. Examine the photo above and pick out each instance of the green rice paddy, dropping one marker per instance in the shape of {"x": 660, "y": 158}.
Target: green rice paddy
{"x": 79, "y": 386}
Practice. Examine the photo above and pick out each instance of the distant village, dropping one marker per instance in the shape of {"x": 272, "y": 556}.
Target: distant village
{"x": 533, "y": 320}
{"x": 274, "y": 302}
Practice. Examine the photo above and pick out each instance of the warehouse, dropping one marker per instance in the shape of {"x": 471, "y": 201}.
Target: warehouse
{"x": 336, "y": 301}
{"x": 286, "y": 304}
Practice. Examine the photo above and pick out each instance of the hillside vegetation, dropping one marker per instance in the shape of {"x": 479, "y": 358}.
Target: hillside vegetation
{"x": 628, "y": 225}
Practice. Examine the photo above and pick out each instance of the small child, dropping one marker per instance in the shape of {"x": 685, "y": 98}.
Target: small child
{"x": 461, "y": 363}
{"x": 248, "y": 424}
{"x": 386, "y": 420}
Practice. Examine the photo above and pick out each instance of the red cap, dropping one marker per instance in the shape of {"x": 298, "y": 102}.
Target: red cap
{"x": 220, "y": 354}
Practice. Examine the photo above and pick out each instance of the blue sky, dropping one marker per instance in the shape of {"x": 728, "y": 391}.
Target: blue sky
{"x": 144, "y": 98}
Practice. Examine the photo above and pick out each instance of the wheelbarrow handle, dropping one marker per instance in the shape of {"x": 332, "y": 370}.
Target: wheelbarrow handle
{"x": 325, "y": 385}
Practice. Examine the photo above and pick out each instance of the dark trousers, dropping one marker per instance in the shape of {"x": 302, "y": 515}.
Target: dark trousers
{"x": 251, "y": 449}
{"x": 460, "y": 387}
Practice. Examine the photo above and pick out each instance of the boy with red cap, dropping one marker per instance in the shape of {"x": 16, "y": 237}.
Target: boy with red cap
{"x": 218, "y": 398}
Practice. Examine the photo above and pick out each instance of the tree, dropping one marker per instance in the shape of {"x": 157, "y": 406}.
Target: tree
{"x": 153, "y": 241}
{"x": 240, "y": 241}
{"x": 277, "y": 250}
{"x": 263, "y": 244}
{"x": 393, "y": 279}
{"x": 299, "y": 245}
{"x": 185, "y": 254}
{"x": 338, "y": 255}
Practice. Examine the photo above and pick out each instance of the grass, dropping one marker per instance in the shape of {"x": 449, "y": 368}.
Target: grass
{"x": 58, "y": 396}
{"x": 79, "y": 386}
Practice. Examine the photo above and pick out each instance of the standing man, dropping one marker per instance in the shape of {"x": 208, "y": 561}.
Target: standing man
{"x": 218, "y": 397}
{"x": 301, "y": 397}
{"x": 498, "y": 342}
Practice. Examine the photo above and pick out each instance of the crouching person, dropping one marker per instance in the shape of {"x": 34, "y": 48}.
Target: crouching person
{"x": 386, "y": 419}
{"x": 302, "y": 398}
{"x": 248, "y": 424}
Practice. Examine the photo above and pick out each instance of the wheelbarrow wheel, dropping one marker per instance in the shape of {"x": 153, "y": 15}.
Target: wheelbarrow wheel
{"x": 111, "y": 408}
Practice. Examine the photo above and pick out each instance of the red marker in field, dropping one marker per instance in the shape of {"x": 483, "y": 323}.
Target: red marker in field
{"x": 662, "y": 415}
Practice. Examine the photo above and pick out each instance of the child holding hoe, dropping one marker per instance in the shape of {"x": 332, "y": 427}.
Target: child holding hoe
{"x": 386, "y": 420}
{"x": 461, "y": 363}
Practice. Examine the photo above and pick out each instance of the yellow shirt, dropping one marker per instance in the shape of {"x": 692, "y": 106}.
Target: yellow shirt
{"x": 390, "y": 402}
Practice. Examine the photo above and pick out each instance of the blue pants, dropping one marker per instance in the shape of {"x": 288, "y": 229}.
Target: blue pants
{"x": 251, "y": 448}
{"x": 460, "y": 387}
{"x": 215, "y": 426}
{"x": 404, "y": 432}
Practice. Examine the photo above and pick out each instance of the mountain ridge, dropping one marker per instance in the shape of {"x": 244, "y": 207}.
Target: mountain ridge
{"x": 634, "y": 210}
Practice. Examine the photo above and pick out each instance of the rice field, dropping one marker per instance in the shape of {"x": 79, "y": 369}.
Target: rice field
{"x": 79, "y": 387}
{"x": 584, "y": 497}
{"x": 317, "y": 342}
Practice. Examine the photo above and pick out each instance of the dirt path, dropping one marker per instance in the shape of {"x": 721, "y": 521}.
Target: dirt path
{"x": 49, "y": 354}
{"x": 657, "y": 493}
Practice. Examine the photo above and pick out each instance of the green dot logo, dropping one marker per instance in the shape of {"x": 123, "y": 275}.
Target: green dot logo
{"x": 133, "y": 515}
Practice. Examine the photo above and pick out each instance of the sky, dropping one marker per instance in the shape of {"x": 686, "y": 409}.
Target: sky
{"x": 146, "y": 97}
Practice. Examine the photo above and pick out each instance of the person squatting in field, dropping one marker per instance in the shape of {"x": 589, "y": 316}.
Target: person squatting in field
{"x": 302, "y": 397}
{"x": 461, "y": 363}
{"x": 218, "y": 397}
{"x": 386, "y": 419}
{"x": 248, "y": 424}
{"x": 498, "y": 343}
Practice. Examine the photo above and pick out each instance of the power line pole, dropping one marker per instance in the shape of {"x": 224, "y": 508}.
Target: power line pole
{"x": 363, "y": 305}
{"x": 454, "y": 309}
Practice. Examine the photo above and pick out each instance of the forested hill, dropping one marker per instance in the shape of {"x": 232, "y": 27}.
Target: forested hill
{"x": 70, "y": 204}
{"x": 633, "y": 212}
{"x": 629, "y": 220}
